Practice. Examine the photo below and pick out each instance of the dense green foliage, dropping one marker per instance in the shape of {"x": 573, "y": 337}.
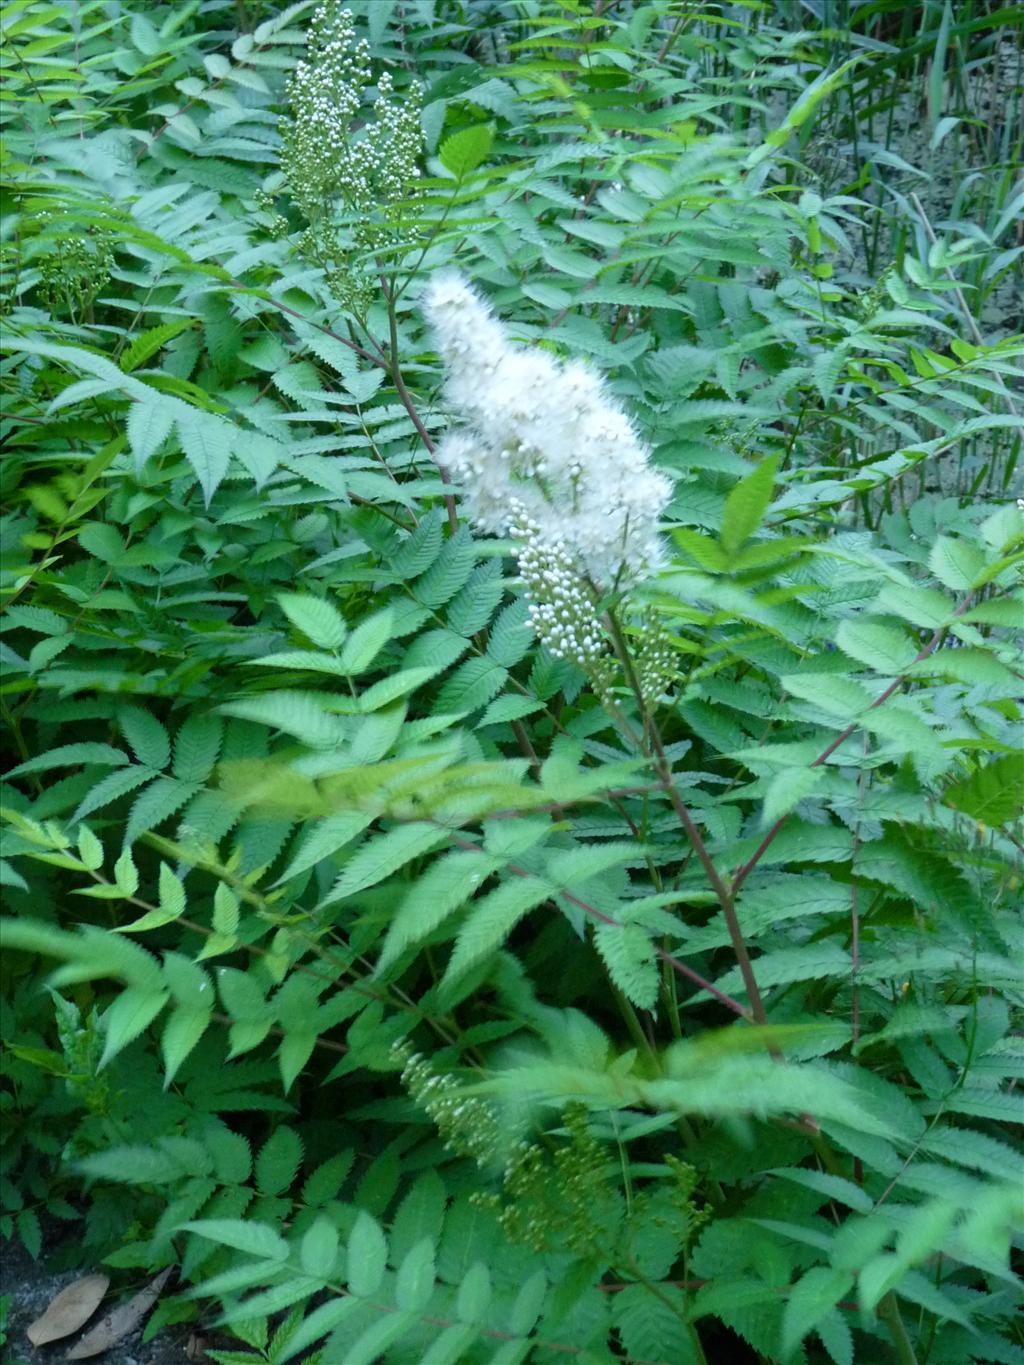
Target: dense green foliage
{"x": 421, "y": 996}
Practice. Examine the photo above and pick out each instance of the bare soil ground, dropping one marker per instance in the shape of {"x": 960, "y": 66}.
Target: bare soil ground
{"x": 30, "y": 1286}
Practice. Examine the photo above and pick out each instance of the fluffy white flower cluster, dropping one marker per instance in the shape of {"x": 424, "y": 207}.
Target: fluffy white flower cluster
{"x": 545, "y": 438}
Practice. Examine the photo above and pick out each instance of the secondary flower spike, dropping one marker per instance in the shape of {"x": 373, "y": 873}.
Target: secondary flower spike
{"x": 543, "y": 441}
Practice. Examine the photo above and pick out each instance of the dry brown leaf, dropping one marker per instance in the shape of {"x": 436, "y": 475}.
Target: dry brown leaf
{"x": 72, "y": 1308}
{"x": 119, "y": 1323}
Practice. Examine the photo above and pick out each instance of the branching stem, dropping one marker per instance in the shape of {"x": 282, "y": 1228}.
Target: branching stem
{"x": 664, "y": 770}
{"x": 742, "y": 873}
{"x": 602, "y": 918}
{"x": 395, "y": 371}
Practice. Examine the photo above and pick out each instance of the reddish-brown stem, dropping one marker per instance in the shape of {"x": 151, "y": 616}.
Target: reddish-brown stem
{"x": 602, "y": 918}
{"x": 664, "y": 770}
{"x": 325, "y": 1044}
{"x": 743, "y": 872}
{"x": 379, "y": 359}
{"x": 527, "y": 750}
{"x": 725, "y": 899}
{"x": 387, "y": 361}
{"x": 394, "y": 370}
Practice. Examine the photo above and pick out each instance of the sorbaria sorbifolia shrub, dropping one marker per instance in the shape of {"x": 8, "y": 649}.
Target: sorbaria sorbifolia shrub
{"x": 512, "y": 678}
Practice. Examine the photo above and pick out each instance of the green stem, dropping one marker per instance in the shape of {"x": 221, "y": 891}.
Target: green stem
{"x": 889, "y": 1312}
{"x": 668, "y": 994}
{"x": 635, "y": 1029}
{"x": 695, "y": 1341}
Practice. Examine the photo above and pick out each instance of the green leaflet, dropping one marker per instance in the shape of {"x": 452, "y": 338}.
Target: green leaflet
{"x": 111, "y": 787}
{"x": 415, "y": 555}
{"x": 255, "y": 1239}
{"x": 452, "y": 1344}
{"x": 746, "y": 505}
{"x": 791, "y": 964}
{"x": 565, "y": 867}
{"x": 511, "y": 634}
{"x": 419, "y": 1216}
{"x": 628, "y": 953}
{"x": 148, "y": 738}
{"x": 464, "y": 151}
{"x": 278, "y": 1161}
{"x": 786, "y": 790}
{"x": 414, "y": 1285}
{"x": 389, "y": 689}
{"x": 140, "y": 1165}
{"x": 474, "y": 1294}
{"x": 325, "y": 838}
{"x": 448, "y": 883}
{"x": 149, "y": 343}
{"x": 880, "y": 647}
{"x": 367, "y": 1254}
{"x": 492, "y": 919}
{"x": 923, "y": 606}
{"x": 654, "y": 1331}
{"x": 504, "y": 709}
{"x": 67, "y": 755}
{"x": 812, "y": 1299}
{"x": 377, "y": 1337}
{"x": 316, "y": 618}
{"x": 956, "y": 563}
{"x": 132, "y": 1011}
{"x": 473, "y": 605}
{"x": 969, "y": 666}
{"x": 365, "y": 642}
{"x": 306, "y": 660}
{"x": 206, "y": 441}
{"x": 197, "y": 746}
{"x": 182, "y": 1032}
{"x": 157, "y": 803}
{"x": 448, "y": 573}
{"x": 317, "y": 1324}
{"x": 232, "y": 1158}
{"x": 326, "y": 1180}
{"x": 296, "y": 713}
{"x": 472, "y": 686}
{"x": 382, "y": 855}
{"x": 319, "y": 1249}
{"x": 830, "y": 1187}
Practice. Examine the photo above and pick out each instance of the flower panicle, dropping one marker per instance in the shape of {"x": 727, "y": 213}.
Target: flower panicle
{"x": 348, "y": 173}
{"x": 541, "y": 444}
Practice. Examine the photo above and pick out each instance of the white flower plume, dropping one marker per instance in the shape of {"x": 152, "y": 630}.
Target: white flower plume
{"x": 543, "y": 440}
